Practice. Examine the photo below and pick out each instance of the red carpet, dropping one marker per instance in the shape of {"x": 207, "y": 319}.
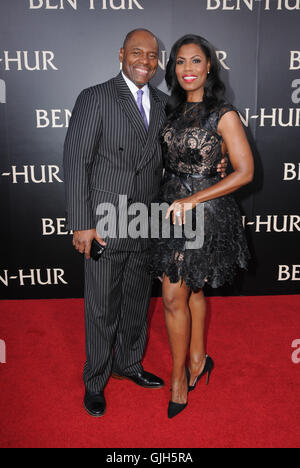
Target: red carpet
{"x": 251, "y": 401}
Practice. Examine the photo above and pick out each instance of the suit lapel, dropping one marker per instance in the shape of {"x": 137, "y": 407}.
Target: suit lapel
{"x": 157, "y": 117}
{"x": 130, "y": 108}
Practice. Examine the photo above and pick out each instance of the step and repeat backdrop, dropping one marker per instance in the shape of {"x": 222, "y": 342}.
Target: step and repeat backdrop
{"x": 52, "y": 49}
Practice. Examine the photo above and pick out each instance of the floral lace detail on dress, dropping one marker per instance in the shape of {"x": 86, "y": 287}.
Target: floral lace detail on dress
{"x": 191, "y": 149}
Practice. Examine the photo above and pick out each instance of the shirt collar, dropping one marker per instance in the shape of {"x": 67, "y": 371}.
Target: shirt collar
{"x": 133, "y": 88}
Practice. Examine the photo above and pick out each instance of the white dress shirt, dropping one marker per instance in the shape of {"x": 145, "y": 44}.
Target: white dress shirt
{"x": 146, "y": 96}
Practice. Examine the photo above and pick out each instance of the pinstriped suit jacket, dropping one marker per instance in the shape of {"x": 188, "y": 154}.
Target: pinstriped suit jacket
{"x": 108, "y": 152}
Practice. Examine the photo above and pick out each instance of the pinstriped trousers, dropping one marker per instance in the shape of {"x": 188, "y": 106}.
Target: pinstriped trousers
{"x": 117, "y": 297}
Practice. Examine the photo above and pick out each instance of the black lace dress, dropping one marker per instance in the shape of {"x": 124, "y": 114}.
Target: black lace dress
{"x": 192, "y": 147}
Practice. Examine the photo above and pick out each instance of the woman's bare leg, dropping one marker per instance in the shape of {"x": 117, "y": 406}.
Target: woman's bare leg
{"x": 178, "y": 321}
{"x": 197, "y": 305}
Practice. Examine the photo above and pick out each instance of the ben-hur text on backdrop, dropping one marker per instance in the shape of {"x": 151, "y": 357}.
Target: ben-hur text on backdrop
{"x": 210, "y": 5}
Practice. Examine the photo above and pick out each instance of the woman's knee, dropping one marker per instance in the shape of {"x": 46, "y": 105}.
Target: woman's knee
{"x": 173, "y": 304}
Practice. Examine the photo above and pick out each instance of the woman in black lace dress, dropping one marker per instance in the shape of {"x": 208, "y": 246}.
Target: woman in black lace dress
{"x": 201, "y": 128}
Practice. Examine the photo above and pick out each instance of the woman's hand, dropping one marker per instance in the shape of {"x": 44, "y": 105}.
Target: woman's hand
{"x": 222, "y": 167}
{"x": 179, "y": 208}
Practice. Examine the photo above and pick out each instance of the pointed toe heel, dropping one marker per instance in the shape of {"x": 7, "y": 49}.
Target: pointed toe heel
{"x": 208, "y": 367}
{"x": 175, "y": 408}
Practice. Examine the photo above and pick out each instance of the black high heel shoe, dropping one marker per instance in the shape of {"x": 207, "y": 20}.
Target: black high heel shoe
{"x": 175, "y": 408}
{"x": 209, "y": 365}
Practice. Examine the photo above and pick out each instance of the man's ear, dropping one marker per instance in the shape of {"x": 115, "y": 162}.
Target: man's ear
{"x": 121, "y": 55}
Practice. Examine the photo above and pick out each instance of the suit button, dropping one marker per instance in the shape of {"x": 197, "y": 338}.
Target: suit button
{"x": 121, "y": 149}
{"x": 130, "y": 200}
{"x": 137, "y": 172}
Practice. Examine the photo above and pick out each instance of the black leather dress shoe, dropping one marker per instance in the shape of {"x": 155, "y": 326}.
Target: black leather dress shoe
{"x": 95, "y": 405}
{"x": 143, "y": 379}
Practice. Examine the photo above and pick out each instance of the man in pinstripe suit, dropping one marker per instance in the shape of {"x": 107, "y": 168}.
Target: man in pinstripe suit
{"x": 112, "y": 148}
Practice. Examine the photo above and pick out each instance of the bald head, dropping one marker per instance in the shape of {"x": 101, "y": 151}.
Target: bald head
{"x": 132, "y": 33}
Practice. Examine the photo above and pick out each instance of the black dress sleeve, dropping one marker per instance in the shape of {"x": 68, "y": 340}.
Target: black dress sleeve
{"x": 215, "y": 117}
{"x": 224, "y": 108}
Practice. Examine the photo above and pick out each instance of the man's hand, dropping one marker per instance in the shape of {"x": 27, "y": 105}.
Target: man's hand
{"x": 222, "y": 167}
{"x": 82, "y": 241}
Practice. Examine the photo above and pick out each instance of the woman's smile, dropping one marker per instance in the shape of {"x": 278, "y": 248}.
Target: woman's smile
{"x": 189, "y": 78}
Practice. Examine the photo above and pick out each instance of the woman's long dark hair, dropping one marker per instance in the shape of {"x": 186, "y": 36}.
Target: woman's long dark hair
{"x": 214, "y": 89}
